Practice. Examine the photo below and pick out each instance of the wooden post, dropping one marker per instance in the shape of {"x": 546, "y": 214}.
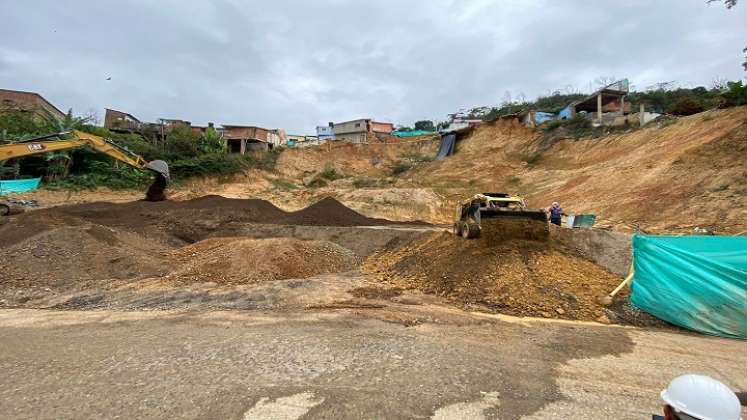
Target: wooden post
{"x": 599, "y": 107}
{"x": 642, "y": 115}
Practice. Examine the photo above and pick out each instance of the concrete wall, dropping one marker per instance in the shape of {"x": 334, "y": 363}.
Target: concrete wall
{"x": 353, "y": 137}
{"x": 355, "y": 126}
{"x": 610, "y": 250}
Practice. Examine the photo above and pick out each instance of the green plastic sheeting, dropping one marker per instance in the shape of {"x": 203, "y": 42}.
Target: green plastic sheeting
{"x": 696, "y": 282}
{"x": 18, "y": 185}
{"x": 412, "y": 133}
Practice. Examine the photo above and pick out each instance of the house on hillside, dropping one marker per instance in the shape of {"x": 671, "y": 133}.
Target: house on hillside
{"x": 457, "y": 124}
{"x": 121, "y": 122}
{"x": 603, "y": 107}
{"x": 303, "y": 141}
{"x": 362, "y": 130}
{"x": 17, "y": 100}
{"x": 246, "y": 138}
{"x": 325, "y": 132}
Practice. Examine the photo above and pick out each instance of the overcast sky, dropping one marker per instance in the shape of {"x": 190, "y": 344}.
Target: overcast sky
{"x": 296, "y": 64}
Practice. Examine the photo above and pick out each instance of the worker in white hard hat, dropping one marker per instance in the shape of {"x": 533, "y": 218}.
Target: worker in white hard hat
{"x": 698, "y": 397}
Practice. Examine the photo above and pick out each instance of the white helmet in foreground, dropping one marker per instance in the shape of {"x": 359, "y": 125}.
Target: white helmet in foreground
{"x": 702, "y": 397}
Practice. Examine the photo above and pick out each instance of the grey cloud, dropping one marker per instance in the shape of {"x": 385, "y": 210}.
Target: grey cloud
{"x": 296, "y": 64}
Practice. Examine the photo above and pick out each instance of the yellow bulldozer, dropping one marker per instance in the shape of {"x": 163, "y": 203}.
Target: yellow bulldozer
{"x": 498, "y": 217}
{"x": 75, "y": 139}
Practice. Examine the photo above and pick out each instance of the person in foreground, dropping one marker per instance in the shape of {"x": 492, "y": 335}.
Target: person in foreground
{"x": 699, "y": 397}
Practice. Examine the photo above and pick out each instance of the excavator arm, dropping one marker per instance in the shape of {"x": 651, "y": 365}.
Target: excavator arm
{"x": 80, "y": 139}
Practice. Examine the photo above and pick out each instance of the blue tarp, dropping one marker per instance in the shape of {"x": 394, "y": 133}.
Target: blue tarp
{"x": 448, "y": 144}
{"x": 19, "y": 185}
{"x": 696, "y": 282}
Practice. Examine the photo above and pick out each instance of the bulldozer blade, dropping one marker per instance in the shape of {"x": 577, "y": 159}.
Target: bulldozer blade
{"x": 506, "y": 225}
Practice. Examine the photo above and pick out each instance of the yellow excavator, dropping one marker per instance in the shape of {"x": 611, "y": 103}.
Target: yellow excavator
{"x": 498, "y": 217}
{"x": 74, "y": 139}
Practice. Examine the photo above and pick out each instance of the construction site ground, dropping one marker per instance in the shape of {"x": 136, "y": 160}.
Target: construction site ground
{"x": 342, "y": 364}
{"x": 305, "y": 291}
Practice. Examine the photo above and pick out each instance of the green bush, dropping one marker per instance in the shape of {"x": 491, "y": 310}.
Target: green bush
{"x": 106, "y": 175}
{"x": 734, "y": 95}
{"x": 686, "y": 106}
{"x": 552, "y": 125}
{"x": 330, "y": 173}
{"x": 210, "y": 164}
{"x": 283, "y": 185}
{"x": 401, "y": 168}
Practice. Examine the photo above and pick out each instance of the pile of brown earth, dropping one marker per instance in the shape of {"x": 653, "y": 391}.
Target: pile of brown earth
{"x": 176, "y": 222}
{"x": 72, "y": 258}
{"x": 247, "y": 261}
{"x": 516, "y": 277}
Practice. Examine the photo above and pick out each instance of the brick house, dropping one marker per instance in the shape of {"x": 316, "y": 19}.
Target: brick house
{"x": 121, "y": 122}
{"x": 243, "y": 138}
{"x": 16, "y": 100}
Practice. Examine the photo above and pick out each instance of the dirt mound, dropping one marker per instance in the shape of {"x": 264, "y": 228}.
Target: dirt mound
{"x": 69, "y": 258}
{"x": 246, "y": 261}
{"x": 524, "y": 278}
{"x": 188, "y": 221}
{"x": 332, "y": 213}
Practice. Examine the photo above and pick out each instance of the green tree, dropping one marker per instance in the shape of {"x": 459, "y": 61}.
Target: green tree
{"x": 425, "y": 125}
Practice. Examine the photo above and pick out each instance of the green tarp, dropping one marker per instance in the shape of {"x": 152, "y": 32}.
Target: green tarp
{"x": 696, "y": 282}
{"x": 412, "y": 133}
{"x": 18, "y": 185}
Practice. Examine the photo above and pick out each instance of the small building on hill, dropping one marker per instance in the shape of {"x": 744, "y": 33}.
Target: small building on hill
{"x": 121, "y": 122}
{"x": 361, "y": 130}
{"x": 604, "y": 106}
{"x": 17, "y": 100}
{"x": 246, "y": 138}
{"x": 325, "y": 132}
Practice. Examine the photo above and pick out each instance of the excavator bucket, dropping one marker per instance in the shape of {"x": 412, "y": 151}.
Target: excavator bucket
{"x": 160, "y": 167}
{"x": 499, "y": 225}
{"x": 157, "y": 190}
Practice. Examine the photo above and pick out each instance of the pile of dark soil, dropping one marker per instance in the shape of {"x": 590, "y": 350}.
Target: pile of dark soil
{"x": 330, "y": 212}
{"x": 181, "y": 221}
{"x": 247, "y": 261}
{"x": 515, "y": 277}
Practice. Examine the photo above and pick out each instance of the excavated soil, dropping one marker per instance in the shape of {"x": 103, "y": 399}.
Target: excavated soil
{"x": 100, "y": 248}
{"x": 516, "y": 277}
{"x": 179, "y": 222}
{"x": 66, "y": 259}
{"x": 246, "y": 261}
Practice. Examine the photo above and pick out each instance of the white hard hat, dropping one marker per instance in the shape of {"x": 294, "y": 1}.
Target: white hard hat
{"x": 702, "y": 397}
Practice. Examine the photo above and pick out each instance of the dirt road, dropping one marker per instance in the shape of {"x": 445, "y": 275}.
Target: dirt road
{"x": 339, "y": 364}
